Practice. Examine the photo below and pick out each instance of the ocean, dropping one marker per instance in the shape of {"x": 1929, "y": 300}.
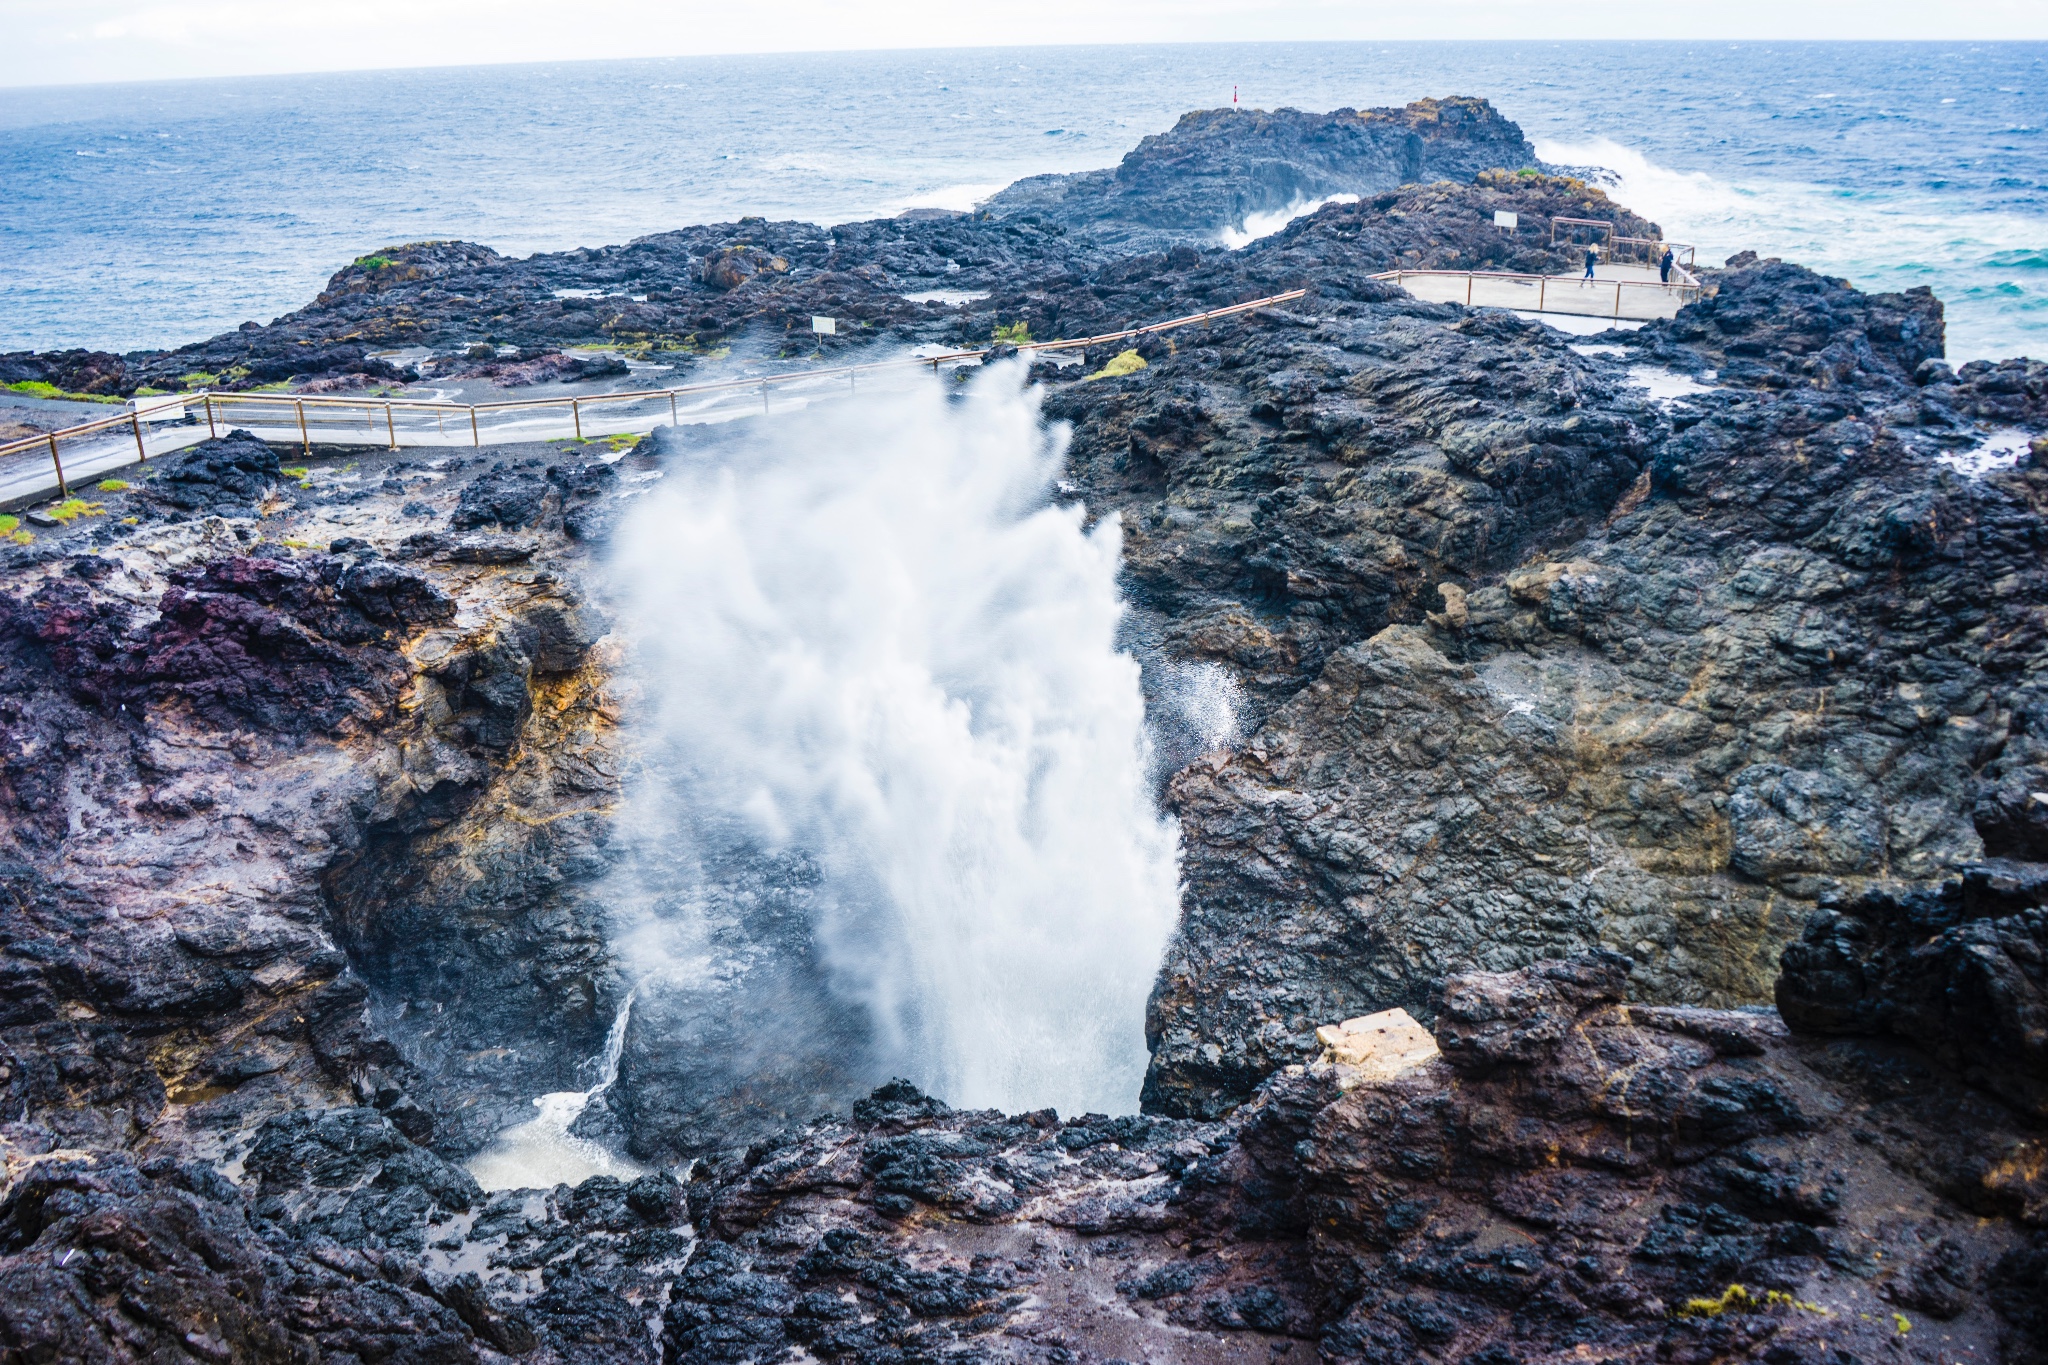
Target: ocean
{"x": 149, "y": 215}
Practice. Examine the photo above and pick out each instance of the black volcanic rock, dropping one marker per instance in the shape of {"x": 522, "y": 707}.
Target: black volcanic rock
{"x": 1556, "y": 709}
{"x": 506, "y": 497}
{"x": 1960, "y": 971}
{"x": 75, "y": 371}
{"x": 678, "y": 295}
{"x": 1217, "y": 167}
{"x": 224, "y": 476}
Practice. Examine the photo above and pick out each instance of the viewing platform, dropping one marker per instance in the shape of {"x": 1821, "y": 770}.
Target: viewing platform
{"x": 1621, "y": 290}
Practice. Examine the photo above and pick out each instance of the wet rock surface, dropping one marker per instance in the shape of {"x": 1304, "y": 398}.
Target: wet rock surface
{"x": 1574, "y": 1176}
{"x": 1217, "y": 167}
{"x": 1562, "y": 711}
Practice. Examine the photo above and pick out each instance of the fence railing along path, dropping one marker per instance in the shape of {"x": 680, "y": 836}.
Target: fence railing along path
{"x": 1621, "y": 299}
{"x": 159, "y": 426}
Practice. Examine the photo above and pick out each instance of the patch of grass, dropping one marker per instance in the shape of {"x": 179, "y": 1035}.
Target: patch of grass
{"x": 281, "y": 386}
{"x": 8, "y": 524}
{"x": 1736, "y": 1298}
{"x": 71, "y": 509}
{"x": 1899, "y": 1320}
{"x": 147, "y": 392}
{"x": 293, "y": 471}
{"x": 1127, "y": 362}
{"x": 621, "y": 441}
{"x": 131, "y": 521}
{"x": 1017, "y": 333}
{"x": 22, "y": 537}
{"x": 197, "y": 379}
{"x": 36, "y": 388}
{"x": 111, "y": 486}
{"x": 375, "y": 262}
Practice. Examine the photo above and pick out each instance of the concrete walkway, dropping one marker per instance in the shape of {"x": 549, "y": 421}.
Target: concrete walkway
{"x": 28, "y": 476}
{"x": 1617, "y": 290}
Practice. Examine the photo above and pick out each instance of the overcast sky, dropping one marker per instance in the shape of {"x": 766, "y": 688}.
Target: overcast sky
{"x": 113, "y": 40}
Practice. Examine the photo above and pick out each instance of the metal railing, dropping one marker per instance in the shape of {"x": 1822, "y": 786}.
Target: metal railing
{"x": 158, "y": 426}
{"x": 1558, "y": 294}
{"x": 1617, "y": 247}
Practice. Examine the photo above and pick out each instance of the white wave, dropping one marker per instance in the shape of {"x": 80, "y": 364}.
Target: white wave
{"x": 1257, "y": 225}
{"x": 874, "y": 645}
{"x": 1878, "y": 244}
{"x": 957, "y": 198}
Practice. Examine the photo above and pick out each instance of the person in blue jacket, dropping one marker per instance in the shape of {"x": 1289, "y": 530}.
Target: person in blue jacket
{"x": 1592, "y": 257}
{"x": 1664, "y": 266}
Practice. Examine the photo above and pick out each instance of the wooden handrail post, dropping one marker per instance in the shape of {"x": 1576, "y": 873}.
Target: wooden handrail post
{"x": 305, "y": 440}
{"x": 141, "y": 453}
{"x": 390, "y": 427}
{"x": 672, "y": 408}
{"x": 1617, "y": 298}
{"x": 211, "y": 430}
{"x": 1541, "y": 285}
{"x": 576, "y": 415}
{"x": 62, "y": 491}
{"x": 1468, "y": 289}
{"x": 475, "y": 438}
{"x": 764, "y": 390}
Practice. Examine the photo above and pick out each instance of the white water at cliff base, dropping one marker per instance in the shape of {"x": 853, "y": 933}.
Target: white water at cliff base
{"x": 542, "y": 1153}
{"x": 893, "y": 768}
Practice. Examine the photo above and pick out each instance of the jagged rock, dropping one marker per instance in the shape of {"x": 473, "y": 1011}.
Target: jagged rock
{"x": 1960, "y": 971}
{"x": 505, "y": 497}
{"x": 1217, "y": 167}
{"x": 302, "y": 851}
{"x": 227, "y": 476}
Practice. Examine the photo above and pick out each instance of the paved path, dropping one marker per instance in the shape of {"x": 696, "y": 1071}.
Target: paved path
{"x": 29, "y": 474}
{"x": 1616, "y": 291}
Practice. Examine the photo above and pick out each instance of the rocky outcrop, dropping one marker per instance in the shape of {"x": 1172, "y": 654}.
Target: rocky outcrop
{"x": 1560, "y": 708}
{"x": 75, "y": 371}
{"x": 293, "y": 825}
{"x": 1218, "y": 167}
{"x": 1572, "y": 1176}
{"x": 1960, "y": 970}
{"x": 679, "y": 296}
{"x": 1543, "y": 664}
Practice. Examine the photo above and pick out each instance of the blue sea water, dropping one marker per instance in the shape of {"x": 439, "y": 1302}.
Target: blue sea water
{"x": 154, "y": 214}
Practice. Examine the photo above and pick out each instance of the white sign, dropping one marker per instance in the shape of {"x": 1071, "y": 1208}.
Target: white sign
{"x": 1504, "y": 219}
{"x": 825, "y": 327}
{"x": 157, "y": 409}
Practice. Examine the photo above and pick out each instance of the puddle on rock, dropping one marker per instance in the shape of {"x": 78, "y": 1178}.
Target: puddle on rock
{"x": 1666, "y": 386}
{"x": 952, "y": 298}
{"x": 1999, "y": 450}
{"x": 1576, "y": 324}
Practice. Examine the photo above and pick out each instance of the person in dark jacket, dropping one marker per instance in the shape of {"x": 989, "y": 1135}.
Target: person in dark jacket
{"x": 1592, "y": 257}
{"x": 1664, "y": 266}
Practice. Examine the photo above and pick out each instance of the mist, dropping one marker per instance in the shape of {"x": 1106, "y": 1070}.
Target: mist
{"x": 894, "y": 811}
